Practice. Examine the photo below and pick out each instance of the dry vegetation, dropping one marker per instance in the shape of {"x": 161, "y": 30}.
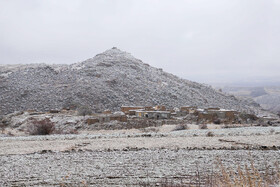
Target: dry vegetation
{"x": 41, "y": 127}
{"x": 247, "y": 176}
{"x": 203, "y": 126}
{"x": 181, "y": 127}
{"x": 46, "y": 127}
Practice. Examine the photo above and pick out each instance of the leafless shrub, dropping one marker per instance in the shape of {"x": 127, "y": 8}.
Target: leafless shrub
{"x": 203, "y": 126}
{"x": 181, "y": 127}
{"x": 10, "y": 133}
{"x": 3, "y": 124}
{"x": 3, "y": 127}
{"x": 248, "y": 176}
{"x": 217, "y": 121}
{"x": 70, "y": 105}
{"x": 41, "y": 127}
{"x": 210, "y": 134}
{"x": 84, "y": 110}
{"x": 227, "y": 126}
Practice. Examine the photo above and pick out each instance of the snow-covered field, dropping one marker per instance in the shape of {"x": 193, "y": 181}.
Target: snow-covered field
{"x": 103, "y": 158}
{"x": 120, "y": 168}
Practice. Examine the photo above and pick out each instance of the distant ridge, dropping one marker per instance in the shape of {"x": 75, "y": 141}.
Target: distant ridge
{"x": 107, "y": 81}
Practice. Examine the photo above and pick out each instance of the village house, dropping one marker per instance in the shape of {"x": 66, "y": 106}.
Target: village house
{"x": 188, "y": 109}
{"x": 160, "y": 108}
{"x": 212, "y": 114}
{"x": 149, "y": 108}
{"x": 153, "y": 114}
{"x": 126, "y": 109}
{"x": 91, "y": 121}
{"x": 106, "y": 117}
{"x": 180, "y": 113}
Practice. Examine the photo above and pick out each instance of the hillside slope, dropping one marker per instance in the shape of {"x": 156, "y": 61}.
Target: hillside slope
{"x": 267, "y": 96}
{"x": 107, "y": 81}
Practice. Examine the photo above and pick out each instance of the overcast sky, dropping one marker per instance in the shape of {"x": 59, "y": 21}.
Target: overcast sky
{"x": 200, "y": 40}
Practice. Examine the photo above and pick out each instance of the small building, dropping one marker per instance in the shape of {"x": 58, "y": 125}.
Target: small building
{"x": 103, "y": 118}
{"x": 212, "y": 114}
{"x": 126, "y": 109}
{"x": 132, "y": 112}
{"x": 208, "y": 117}
{"x": 149, "y": 108}
{"x": 188, "y": 109}
{"x": 181, "y": 113}
{"x": 107, "y": 112}
{"x": 121, "y": 118}
{"x": 223, "y": 114}
{"x": 153, "y": 114}
{"x": 160, "y": 108}
{"x": 91, "y": 121}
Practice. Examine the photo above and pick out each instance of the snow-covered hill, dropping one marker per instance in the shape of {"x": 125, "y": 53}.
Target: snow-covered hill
{"x": 107, "y": 81}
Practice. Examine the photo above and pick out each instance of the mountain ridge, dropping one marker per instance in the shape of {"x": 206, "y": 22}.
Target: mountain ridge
{"x": 107, "y": 81}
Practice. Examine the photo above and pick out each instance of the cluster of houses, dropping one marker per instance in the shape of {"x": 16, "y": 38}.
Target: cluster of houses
{"x": 159, "y": 112}
{"x": 209, "y": 115}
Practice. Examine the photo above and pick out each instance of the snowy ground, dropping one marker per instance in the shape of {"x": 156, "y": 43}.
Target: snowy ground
{"x": 103, "y": 158}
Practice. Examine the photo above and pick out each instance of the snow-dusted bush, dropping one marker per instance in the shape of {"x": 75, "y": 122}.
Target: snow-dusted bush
{"x": 84, "y": 110}
{"x": 41, "y": 127}
{"x": 203, "y": 126}
{"x": 181, "y": 127}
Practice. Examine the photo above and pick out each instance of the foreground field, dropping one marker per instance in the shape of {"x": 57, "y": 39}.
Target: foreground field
{"x": 120, "y": 158}
{"x": 104, "y": 168}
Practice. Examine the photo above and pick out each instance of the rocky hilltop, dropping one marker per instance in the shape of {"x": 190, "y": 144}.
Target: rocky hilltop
{"x": 107, "y": 81}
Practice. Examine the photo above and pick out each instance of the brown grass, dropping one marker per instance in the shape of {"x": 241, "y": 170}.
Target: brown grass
{"x": 247, "y": 176}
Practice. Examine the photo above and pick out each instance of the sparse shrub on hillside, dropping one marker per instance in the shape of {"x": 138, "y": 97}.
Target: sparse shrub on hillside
{"x": 217, "y": 121}
{"x": 181, "y": 127}
{"x": 70, "y": 105}
{"x": 228, "y": 126}
{"x": 203, "y": 126}
{"x": 84, "y": 110}
{"x": 210, "y": 134}
{"x": 3, "y": 124}
{"x": 10, "y": 133}
{"x": 41, "y": 127}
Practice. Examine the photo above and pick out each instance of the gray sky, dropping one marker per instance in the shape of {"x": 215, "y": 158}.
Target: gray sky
{"x": 200, "y": 40}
